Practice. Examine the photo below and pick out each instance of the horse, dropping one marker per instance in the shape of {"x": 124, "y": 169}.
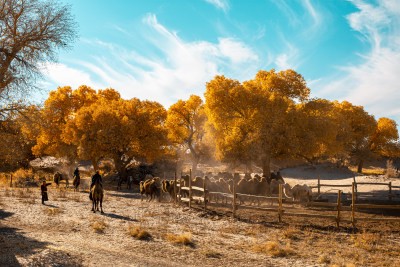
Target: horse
{"x": 97, "y": 197}
{"x": 76, "y": 182}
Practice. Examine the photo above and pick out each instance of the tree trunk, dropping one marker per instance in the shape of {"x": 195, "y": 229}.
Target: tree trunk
{"x": 194, "y": 165}
{"x": 94, "y": 163}
{"x": 266, "y": 165}
{"x": 119, "y": 166}
{"x": 360, "y": 166}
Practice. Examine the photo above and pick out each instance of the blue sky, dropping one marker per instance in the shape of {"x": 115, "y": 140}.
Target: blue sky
{"x": 167, "y": 50}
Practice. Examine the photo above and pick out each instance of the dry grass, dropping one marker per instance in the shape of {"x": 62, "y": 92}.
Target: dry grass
{"x": 184, "y": 239}
{"x": 390, "y": 170}
{"x": 52, "y": 211}
{"x": 290, "y": 233}
{"x": 8, "y": 192}
{"x": 138, "y": 232}
{"x": 210, "y": 253}
{"x": 99, "y": 226}
{"x": 274, "y": 248}
{"x": 26, "y": 193}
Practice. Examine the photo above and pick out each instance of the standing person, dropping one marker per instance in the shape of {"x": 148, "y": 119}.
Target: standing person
{"x": 43, "y": 188}
{"x": 95, "y": 177}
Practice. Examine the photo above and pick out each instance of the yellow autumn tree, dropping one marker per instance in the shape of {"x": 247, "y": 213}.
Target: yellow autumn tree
{"x": 316, "y": 130}
{"x": 384, "y": 141}
{"x": 251, "y": 118}
{"x": 357, "y": 129}
{"x": 55, "y": 113}
{"x": 118, "y": 129}
{"x": 186, "y": 127}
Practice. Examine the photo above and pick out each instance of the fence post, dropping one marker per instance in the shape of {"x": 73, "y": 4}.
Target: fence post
{"x": 180, "y": 189}
{"x": 319, "y": 185}
{"x": 234, "y": 199}
{"x": 390, "y": 191}
{"x": 204, "y": 193}
{"x": 280, "y": 203}
{"x": 353, "y": 204}
{"x": 190, "y": 189}
{"x": 339, "y": 204}
{"x": 175, "y": 188}
{"x": 355, "y": 185}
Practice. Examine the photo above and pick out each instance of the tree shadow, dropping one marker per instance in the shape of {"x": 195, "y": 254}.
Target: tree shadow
{"x": 130, "y": 195}
{"x": 50, "y": 206}
{"x": 13, "y": 243}
{"x": 116, "y": 216}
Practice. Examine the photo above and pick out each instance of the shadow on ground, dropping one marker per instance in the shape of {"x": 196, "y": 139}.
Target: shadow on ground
{"x": 12, "y": 242}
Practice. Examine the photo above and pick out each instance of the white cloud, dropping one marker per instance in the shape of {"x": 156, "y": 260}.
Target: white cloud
{"x": 236, "y": 51}
{"x": 172, "y": 70}
{"x": 63, "y": 75}
{"x": 374, "y": 83}
{"x": 222, "y": 4}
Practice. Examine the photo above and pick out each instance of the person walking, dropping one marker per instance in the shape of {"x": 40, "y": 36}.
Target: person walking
{"x": 43, "y": 188}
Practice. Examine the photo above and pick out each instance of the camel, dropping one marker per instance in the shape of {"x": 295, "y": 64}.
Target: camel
{"x": 97, "y": 196}
{"x": 58, "y": 177}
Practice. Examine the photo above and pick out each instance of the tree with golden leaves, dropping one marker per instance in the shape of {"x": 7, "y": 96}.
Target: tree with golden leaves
{"x": 316, "y": 127}
{"x": 357, "y": 129}
{"x": 251, "y": 118}
{"x": 58, "y": 109}
{"x": 186, "y": 127}
{"x": 118, "y": 129}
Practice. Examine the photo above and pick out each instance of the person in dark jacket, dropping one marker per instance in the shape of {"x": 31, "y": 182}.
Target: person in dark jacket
{"x": 95, "y": 177}
{"x": 76, "y": 172}
{"x": 43, "y": 188}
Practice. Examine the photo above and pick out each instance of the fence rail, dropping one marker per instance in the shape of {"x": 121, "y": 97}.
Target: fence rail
{"x": 281, "y": 212}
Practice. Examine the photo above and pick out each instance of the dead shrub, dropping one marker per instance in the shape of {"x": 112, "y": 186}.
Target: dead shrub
{"x": 99, "y": 226}
{"x": 211, "y": 253}
{"x": 274, "y": 248}
{"x": 324, "y": 259}
{"x": 290, "y": 233}
{"x": 390, "y": 170}
{"x": 106, "y": 166}
{"x": 138, "y": 232}
{"x": 184, "y": 239}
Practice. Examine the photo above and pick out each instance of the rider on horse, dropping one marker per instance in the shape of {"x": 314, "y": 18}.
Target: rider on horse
{"x": 95, "y": 177}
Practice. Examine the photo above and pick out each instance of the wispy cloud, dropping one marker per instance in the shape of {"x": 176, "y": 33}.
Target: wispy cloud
{"x": 375, "y": 82}
{"x": 174, "y": 71}
{"x": 222, "y": 4}
{"x": 63, "y": 75}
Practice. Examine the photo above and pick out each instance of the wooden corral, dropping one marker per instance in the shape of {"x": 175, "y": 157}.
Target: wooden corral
{"x": 282, "y": 211}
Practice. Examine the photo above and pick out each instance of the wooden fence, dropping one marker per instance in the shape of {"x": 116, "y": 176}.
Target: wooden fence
{"x": 204, "y": 199}
{"x": 389, "y": 184}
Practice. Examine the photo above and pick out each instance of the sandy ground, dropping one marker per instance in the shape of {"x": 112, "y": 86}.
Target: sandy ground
{"x": 63, "y": 232}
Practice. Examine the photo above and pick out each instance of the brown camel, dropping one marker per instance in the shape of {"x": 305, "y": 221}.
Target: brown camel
{"x": 97, "y": 196}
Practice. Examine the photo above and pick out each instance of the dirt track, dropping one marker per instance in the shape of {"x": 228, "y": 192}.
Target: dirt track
{"x": 62, "y": 233}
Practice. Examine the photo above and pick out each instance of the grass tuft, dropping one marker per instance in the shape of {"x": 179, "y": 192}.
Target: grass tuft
{"x": 184, "y": 239}
{"x": 138, "y": 232}
{"x": 99, "y": 226}
{"x": 274, "y": 249}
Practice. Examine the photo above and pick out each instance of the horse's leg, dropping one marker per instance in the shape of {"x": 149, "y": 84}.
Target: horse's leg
{"x": 93, "y": 204}
{"x": 101, "y": 205}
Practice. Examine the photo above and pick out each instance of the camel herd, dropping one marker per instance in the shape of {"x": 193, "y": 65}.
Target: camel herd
{"x": 256, "y": 185}
{"x": 246, "y": 186}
